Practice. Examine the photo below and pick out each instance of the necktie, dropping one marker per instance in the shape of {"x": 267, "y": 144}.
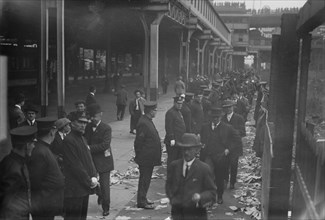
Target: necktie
{"x": 186, "y": 170}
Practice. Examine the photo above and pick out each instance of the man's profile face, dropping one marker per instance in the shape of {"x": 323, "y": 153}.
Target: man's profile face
{"x": 80, "y": 107}
{"x": 96, "y": 118}
{"x": 79, "y": 126}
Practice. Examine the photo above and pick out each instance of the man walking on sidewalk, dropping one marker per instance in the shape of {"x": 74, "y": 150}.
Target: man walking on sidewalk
{"x": 218, "y": 138}
{"x": 189, "y": 185}
{"x": 238, "y": 123}
{"x": 136, "y": 109}
{"x": 121, "y": 102}
{"x": 147, "y": 149}
{"x": 175, "y": 128}
{"x": 99, "y": 135}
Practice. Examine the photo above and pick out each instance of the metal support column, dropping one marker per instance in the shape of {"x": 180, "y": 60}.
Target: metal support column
{"x": 214, "y": 59}
{"x": 203, "y": 55}
{"x": 187, "y": 55}
{"x": 198, "y": 57}
{"x": 44, "y": 57}
{"x": 284, "y": 119}
{"x": 154, "y": 55}
{"x": 145, "y": 59}
{"x": 60, "y": 57}
{"x": 181, "y": 53}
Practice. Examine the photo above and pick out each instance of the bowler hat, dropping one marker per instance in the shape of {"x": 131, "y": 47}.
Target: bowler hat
{"x": 228, "y": 103}
{"x": 45, "y": 124}
{"x": 94, "y": 109}
{"x": 60, "y": 123}
{"x": 215, "y": 112}
{"x": 190, "y": 140}
{"x": 30, "y": 108}
{"x": 189, "y": 95}
{"x": 23, "y": 134}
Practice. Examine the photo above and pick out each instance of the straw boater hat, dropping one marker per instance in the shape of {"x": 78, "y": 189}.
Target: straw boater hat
{"x": 228, "y": 103}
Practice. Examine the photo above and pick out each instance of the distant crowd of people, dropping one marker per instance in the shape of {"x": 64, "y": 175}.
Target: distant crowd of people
{"x": 55, "y": 164}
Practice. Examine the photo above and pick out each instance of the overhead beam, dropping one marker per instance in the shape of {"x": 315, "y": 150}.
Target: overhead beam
{"x": 311, "y": 15}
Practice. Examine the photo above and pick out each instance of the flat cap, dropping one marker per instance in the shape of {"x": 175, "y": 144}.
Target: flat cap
{"x": 60, "y": 123}
{"x": 228, "y": 103}
{"x": 216, "y": 112}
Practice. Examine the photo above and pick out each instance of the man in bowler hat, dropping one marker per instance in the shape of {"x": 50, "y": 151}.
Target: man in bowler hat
{"x": 121, "y": 102}
{"x": 147, "y": 149}
{"x": 99, "y": 136}
{"x": 189, "y": 185}
{"x": 47, "y": 180}
{"x": 238, "y": 123}
{"x": 30, "y": 113}
{"x": 219, "y": 139}
{"x": 14, "y": 178}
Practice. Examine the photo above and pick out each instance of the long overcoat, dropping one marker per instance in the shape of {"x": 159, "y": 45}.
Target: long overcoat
{"x": 147, "y": 145}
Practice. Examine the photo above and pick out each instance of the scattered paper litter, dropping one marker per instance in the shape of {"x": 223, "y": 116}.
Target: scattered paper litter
{"x": 123, "y": 218}
{"x": 160, "y": 207}
{"x": 164, "y": 201}
{"x": 229, "y": 213}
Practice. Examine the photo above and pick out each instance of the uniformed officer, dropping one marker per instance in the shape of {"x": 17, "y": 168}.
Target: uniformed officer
{"x": 15, "y": 199}
{"x": 175, "y": 128}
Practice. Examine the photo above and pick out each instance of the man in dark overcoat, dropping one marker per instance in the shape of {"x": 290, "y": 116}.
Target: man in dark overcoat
{"x": 46, "y": 178}
{"x": 175, "y": 128}
{"x": 197, "y": 114}
{"x": 90, "y": 99}
{"x": 99, "y": 136}
{"x": 238, "y": 123}
{"x": 147, "y": 147}
{"x": 121, "y": 102}
{"x": 14, "y": 178}
{"x": 186, "y": 111}
{"x": 79, "y": 171}
{"x": 136, "y": 109}
{"x": 189, "y": 185}
{"x": 219, "y": 139}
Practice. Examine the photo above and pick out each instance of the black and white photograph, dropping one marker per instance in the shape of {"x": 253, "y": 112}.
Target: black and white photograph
{"x": 162, "y": 109}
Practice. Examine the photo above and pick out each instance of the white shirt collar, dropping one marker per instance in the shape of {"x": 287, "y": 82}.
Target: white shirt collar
{"x": 189, "y": 164}
{"x": 229, "y": 116}
{"x": 18, "y": 106}
{"x": 62, "y": 135}
{"x": 92, "y": 93}
{"x": 31, "y": 122}
{"x": 214, "y": 126}
{"x": 94, "y": 128}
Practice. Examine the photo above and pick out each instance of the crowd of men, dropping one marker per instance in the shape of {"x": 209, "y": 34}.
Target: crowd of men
{"x": 55, "y": 164}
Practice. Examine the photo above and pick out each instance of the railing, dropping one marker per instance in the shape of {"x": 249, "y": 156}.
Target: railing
{"x": 207, "y": 14}
{"x": 309, "y": 176}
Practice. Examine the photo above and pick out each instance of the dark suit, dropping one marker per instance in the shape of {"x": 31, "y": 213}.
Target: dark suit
{"x": 78, "y": 171}
{"x": 242, "y": 107}
{"x": 100, "y": 147}
{"x": 197, "y": 116}
{"x": 147, "y": 149}
{"x": 238, "y": 123}
{"x": 121, "y": 102}
{"x": 187, "y": 116}
{"x": 16, "y": 117}
{"x": 27, "y": 123}
{"x": 14, "y": 187}
{"x": 175, "y": 128}
{"x": 56, "y": 148}
{"x": 180, "y": 190}
{"x": 216, "y": 142}
{"x": 47, "y": 183}
{"x": 90, "y": 99}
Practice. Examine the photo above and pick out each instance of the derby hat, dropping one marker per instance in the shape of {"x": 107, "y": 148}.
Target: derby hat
{"x": 216, "y": 112}
{"x": 228, "y": 103}
{"x": 30, "y": 108}
{"x": 94, "y": 109}
{"x": 190, "y": 140}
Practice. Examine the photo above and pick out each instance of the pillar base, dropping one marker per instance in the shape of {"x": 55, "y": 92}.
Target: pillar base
{"x": 153, "y": 94}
